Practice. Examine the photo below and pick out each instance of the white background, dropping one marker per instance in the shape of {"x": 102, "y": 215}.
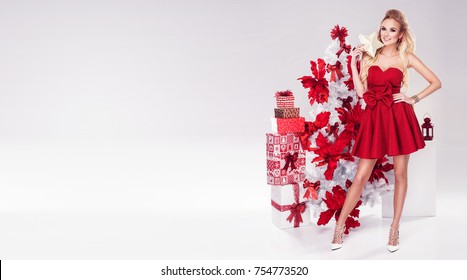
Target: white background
{"x": 136, "y": 129}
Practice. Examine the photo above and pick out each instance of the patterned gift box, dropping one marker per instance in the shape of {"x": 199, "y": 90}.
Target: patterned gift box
{"x": 287, "y": 113}
{"x": 283, "y": 126}
{"x": 286, "y": 101}
{"x": 289, "y": 208}
{"x": 285, "y": 159}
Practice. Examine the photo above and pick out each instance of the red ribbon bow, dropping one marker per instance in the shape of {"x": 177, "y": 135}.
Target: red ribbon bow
{"x": 296, "y": 209}
{"x": 311, "y": 189}
{"x": 344, "y": 47}
{"x": 290, "y": 160}
{"x": 284, "y": 93}
{"x": 335, "y": 70}
{"x": 346, "y": 102}
{"x": 374, "y": 95}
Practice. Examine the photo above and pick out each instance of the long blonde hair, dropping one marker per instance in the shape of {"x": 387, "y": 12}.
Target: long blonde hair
{"x": 405, "y": 46}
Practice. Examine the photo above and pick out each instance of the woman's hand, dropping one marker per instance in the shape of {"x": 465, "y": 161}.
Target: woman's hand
{"x": 357, "y": 54}
{"x": 401, "y": 97}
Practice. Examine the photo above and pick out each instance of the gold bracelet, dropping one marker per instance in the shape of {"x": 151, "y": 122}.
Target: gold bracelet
{"x": 416, "y": 98}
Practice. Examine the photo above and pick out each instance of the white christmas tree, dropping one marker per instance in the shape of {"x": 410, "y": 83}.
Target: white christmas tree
{"x": 336, "y": 112}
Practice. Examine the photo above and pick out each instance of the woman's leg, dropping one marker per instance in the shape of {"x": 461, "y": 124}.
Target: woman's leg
{"x": 401, "y": 164}
{"x": 365, "y": 167}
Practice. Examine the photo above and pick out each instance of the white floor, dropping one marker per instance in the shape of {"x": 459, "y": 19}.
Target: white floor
{"x": 82, "y": 204}
{"x": 225, "y": 235}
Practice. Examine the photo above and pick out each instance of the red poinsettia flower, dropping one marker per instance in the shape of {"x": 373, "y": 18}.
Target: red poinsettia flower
{"x": 346, "y": 138}
{"x": 349, "y": 82}
{"x": 318, "y": 85}
{"x": 351, "y": 118}
{"x": 382, "y": 165}
{"x": 335, "y": 201}
{"x": 339, "y": 32}
{"x": 311, "y": 189}
{"x": 330, "y": 153}
{"x": 321, "y": 121}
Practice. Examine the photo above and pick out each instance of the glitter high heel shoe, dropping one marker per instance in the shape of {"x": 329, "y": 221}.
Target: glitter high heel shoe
{"x": 337, "y": 239}
{"x": 393, "y": 243}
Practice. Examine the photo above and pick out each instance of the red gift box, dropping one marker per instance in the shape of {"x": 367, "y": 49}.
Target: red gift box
{"x": 286, "y": 113}
{"x": 284, "y": 126}
{"x": 285, "y": 159}
{"x": 285, "y": 101}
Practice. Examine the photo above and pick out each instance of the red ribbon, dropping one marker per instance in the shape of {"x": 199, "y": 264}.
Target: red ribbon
{"x": 335, "y": 70}
{"x": 284, "y": 93}
{"x": 290, "y": 160}
{"x": 296, "y": 209}
{"x": 311, "y": 189}
{"x": 344, "y": 47}
{"x": 346, "y": 102}
{"x": 333, "y": 129}
{"x": 377, "y": 94}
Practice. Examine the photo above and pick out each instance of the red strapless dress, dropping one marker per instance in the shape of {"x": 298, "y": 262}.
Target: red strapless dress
{"x": 387, "y": 128}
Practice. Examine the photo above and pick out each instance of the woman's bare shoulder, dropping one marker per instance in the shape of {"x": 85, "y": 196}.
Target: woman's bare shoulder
{"x": 412, "y": 59}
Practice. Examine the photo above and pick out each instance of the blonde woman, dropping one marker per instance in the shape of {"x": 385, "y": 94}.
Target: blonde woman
{"x": 389, "y": 125}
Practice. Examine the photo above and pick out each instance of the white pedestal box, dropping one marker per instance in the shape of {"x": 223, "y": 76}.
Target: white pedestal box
{"x": 421, "y": 192}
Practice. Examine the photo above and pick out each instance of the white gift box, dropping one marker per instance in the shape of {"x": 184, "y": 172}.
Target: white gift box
{"x": 289, "y": 208}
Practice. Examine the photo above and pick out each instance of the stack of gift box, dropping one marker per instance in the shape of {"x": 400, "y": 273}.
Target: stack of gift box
{"x": 286, "y": 164}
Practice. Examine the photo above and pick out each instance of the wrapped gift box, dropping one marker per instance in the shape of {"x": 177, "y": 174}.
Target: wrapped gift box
{"x": 289, "y": 208}
{"x": 283, "y": 126}
{"x": 287, "y": 113}
{"x": 285, "y": 101}
{"x": 285, "y": 159}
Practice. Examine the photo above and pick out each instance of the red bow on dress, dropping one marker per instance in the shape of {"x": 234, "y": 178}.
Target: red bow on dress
{"x": 372, "y": 96}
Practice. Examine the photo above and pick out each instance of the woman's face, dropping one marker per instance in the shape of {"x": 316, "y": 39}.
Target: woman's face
{"x": 390, "y": 31}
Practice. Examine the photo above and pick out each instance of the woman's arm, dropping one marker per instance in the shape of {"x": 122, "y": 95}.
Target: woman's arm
{"x": 360, "y": 87}
{"x": 421, "y": 68}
